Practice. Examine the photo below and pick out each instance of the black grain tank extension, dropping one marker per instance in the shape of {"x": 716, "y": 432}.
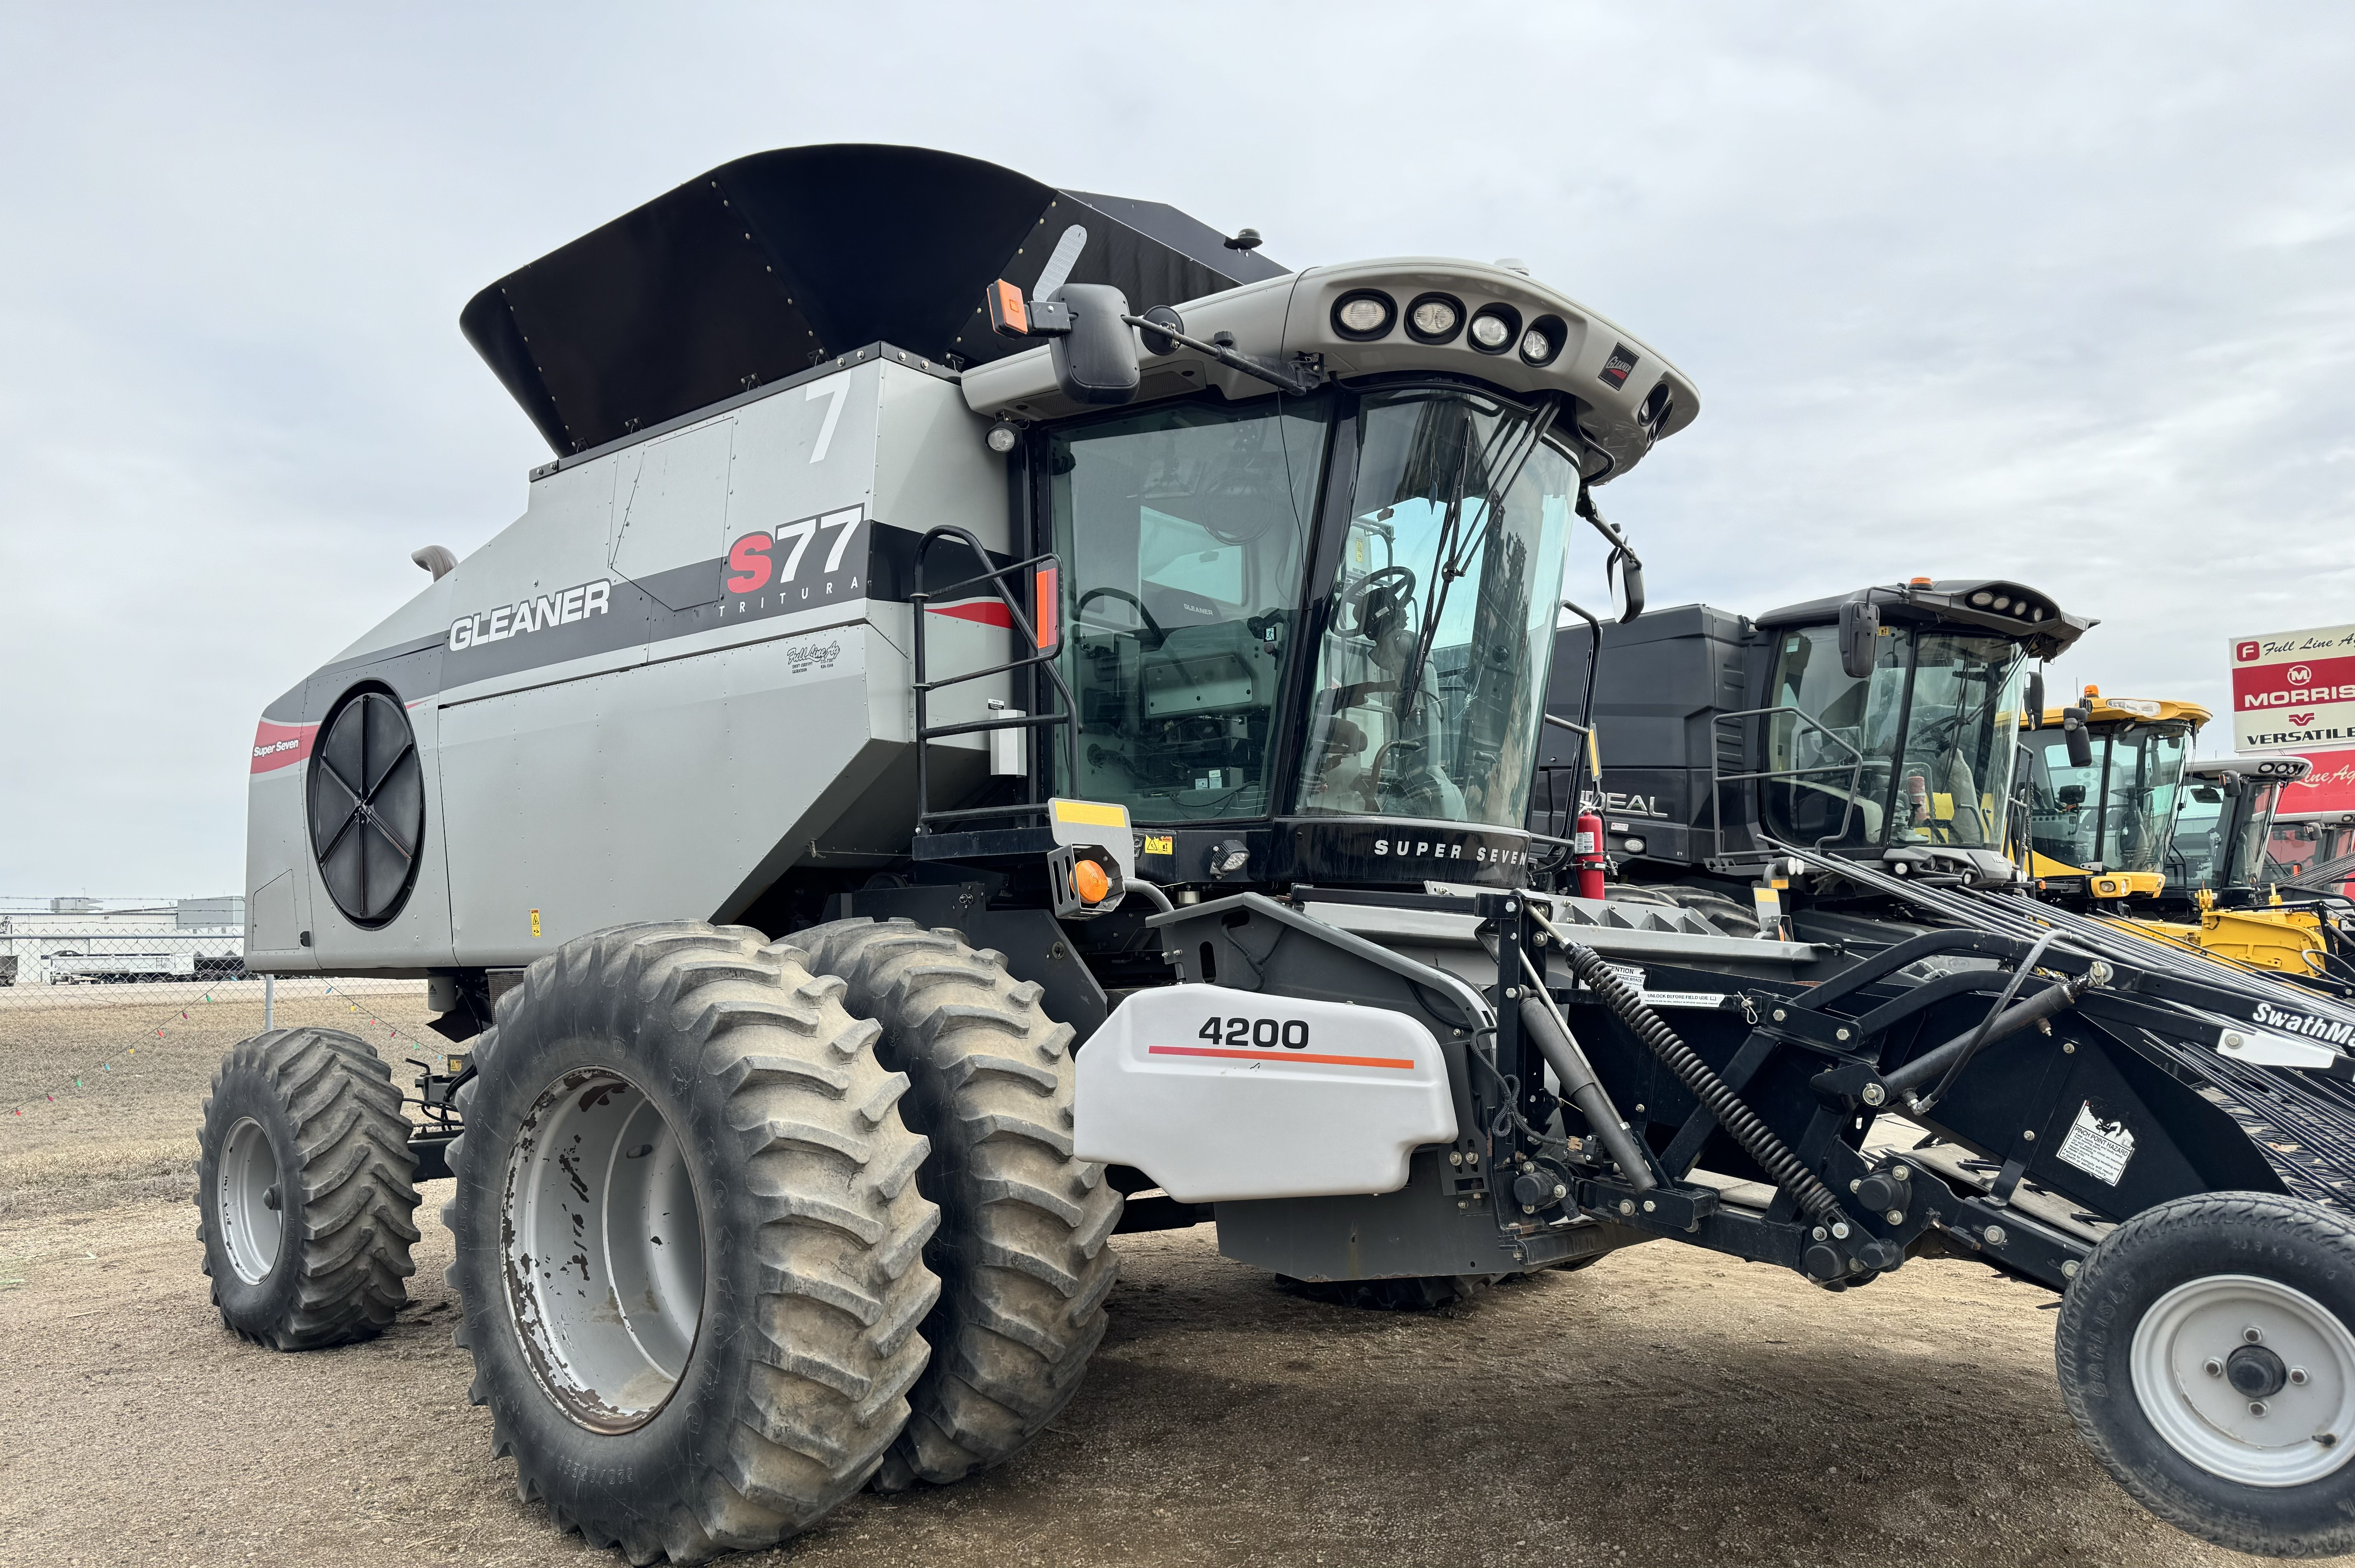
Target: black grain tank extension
{"x": 1664, "y": 679}
{"x": 765, "y": 266}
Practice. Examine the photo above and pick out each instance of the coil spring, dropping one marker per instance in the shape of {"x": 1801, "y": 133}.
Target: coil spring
{"x": 1756, "y": 1139}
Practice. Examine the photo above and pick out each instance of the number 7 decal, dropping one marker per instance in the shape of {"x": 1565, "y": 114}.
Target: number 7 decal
{"x": 847, "y": 520}
{"x": 832, "y": 389}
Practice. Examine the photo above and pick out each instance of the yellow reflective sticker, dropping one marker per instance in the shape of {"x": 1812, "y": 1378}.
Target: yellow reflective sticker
{"x": 1092, "y": 813}
{"x": 535, "y": 922}
{"x": 1160, "y": 843}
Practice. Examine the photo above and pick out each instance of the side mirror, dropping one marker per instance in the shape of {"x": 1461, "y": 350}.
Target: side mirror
{"x": 1626, "y": 586}
{"x": 1094, "y": 353}
{"x": 1095, "y": 361}
{"x": 2069, "y": 794}
{"x": 1859, "y": 625}
{"x": 2074, "y": 735}
{"x": 2033, "y": 703}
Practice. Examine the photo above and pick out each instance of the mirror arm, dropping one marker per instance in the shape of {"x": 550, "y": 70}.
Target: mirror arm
{"x": 1631, "y": 566}
{"x": 1299, "y": 380}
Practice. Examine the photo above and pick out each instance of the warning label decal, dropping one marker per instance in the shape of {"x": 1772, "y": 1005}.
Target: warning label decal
{"x": 2098, "y": 1148}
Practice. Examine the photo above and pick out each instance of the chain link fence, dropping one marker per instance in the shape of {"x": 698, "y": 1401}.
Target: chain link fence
{"x": 111, "y": 1027}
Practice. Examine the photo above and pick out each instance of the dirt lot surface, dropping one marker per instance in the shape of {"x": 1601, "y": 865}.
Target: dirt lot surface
{"x": 1664, "y": 1406}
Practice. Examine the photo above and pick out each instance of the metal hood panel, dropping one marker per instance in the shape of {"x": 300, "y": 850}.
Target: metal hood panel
{"x": 752, "y": 272}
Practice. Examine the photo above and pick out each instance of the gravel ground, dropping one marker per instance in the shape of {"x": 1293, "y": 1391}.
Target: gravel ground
{"x": 1664, "y": 1406}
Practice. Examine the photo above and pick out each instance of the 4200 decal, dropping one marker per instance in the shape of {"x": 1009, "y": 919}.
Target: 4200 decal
{"x": 1291, "y": 1034}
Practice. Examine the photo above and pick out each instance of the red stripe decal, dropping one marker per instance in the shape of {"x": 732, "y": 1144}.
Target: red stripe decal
{"x": 983, "y": 611}
{"x": 281, "y": 745}
{"x": 1284, "y": 1056}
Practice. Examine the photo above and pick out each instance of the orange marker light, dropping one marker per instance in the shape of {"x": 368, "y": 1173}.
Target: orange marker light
{"x": 1088, "y": 881}
{"x": 1921, "y": 582}
{"x": 1008, "y": 316}
{"x": 1046, "y": 603}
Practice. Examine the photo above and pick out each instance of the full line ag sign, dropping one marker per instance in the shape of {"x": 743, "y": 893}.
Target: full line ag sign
{"x": 2293, "y": 690}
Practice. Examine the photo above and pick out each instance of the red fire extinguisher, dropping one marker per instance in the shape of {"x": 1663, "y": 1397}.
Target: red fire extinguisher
{"x": 1587, "y": 855}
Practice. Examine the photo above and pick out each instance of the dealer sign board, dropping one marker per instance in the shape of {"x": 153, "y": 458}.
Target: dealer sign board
{"x": 2292, "y": 690}
{"x": 2329, "y": 789}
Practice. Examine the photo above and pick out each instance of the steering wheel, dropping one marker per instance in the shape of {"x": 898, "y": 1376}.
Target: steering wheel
{"x": 1151, "y": 638}
{"x": 1375, "y": 581}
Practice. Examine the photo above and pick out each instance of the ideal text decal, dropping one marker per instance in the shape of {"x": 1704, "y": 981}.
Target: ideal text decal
{"x": 531, "y": 614}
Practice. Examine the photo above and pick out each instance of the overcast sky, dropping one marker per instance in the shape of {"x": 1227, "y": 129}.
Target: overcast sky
{"x": 2063, "y": 293}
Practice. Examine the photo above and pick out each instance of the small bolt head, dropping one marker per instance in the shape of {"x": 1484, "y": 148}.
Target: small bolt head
{"x": 1627, "y": 1205}
{"x": 1780, "y": 1015}
{"x": 1873, "y": 1094}
{"x": 2069, "y": 1270}
{"x": 1529, "y": 1208}
{"x": 1896, "y": 1216}
{"x": 1993, "y": 1235}
{"x": 1650, "y": 1207}
{"x": 1902, "y": 1172}
{"x": 2257, "y": 1407}
{"x": 1820, "y": 1233}
{"x": 1560, "y": 1191}
{"x": 1839, "y": 1229}
{"x": 2068, "y": 1048}
{"x": 1455, "y": 1157}
{"x": 2213, "y": 1367}
{"x": 1839, "y": 1033}
{"x": 1855, "y": 1183}
{"x": 2254, "y": 1335}
{"x": 2028, "y": 1137}
{"x": 2298, "y": 1376}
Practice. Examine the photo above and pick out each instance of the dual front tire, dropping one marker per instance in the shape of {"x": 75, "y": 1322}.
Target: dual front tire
{"x": 698, "y": 1215}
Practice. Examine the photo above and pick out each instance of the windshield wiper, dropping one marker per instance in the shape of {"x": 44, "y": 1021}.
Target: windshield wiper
{"x": 1453, "y": 552}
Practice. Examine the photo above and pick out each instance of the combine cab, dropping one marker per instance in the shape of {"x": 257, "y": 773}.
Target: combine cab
{"x": 1011, "y": 718}
{"x": 2100, "y": 823}
{"x": 2227, "y": 896}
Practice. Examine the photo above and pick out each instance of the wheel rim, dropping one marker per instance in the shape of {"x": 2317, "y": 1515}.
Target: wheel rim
{"x": 245, "y": 1193}
{"x": 2248, "y": 1379}
{"x": 604, "y": 1244}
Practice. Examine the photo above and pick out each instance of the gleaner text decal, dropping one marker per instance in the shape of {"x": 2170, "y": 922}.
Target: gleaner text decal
{"x": 532, "y": 614}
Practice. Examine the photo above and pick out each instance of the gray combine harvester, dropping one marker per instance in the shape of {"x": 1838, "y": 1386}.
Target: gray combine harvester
{"x": 1012, "y": 718}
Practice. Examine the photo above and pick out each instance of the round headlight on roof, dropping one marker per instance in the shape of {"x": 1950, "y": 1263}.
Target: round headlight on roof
{"x": 1495, "y": 328}
{"x": 1542, "y": 339}
{"x": 1364, "y": 314}
{"x": 2003, "y": 601}
{"x": 1434, "y": 318}
{"x": 1982, "y": 598}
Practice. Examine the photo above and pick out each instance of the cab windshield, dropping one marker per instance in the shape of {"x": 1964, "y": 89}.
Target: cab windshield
{"x": 2115, "y": 814}
{"x": 2221, "y": 832}
{"x": 1430, "y": 681}
{"x": 1920, "y": 752}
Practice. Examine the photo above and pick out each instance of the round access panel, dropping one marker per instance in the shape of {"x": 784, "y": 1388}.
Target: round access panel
{"x": 368, "y": 807}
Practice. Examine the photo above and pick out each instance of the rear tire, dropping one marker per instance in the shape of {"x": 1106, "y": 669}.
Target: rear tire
{"x": 2248, "y": 1442}
{"x": 689, "y": 1242}
{"x": 1021, "y": 1251}
{"x": 304, "y": 1190}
